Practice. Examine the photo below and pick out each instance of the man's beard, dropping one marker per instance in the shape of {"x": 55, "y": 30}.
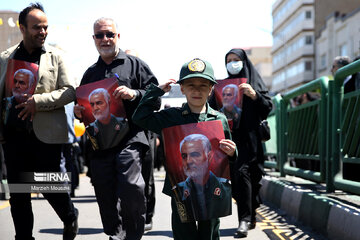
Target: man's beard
{"x": 19, "y": 97}
{"x": 198, "y": 172}
{"x": 102, "y": 115}
{"x": 107, "y": 52}
{"x": 229, "y": 104}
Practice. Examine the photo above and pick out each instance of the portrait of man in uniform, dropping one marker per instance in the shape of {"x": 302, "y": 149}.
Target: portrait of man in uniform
{"x": 23, "y": 82}
{"x": 204, "y": 194}
{"x": 21, "y": 90}
{"x": 107, "y": 129}
{"x": 229, "y": 104}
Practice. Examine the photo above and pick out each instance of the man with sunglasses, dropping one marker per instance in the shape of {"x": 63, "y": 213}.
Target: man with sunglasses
{"x": 116, "y": 172}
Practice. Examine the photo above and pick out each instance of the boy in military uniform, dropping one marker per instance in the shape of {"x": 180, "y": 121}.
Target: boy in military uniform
{"x": 196, "y": 82}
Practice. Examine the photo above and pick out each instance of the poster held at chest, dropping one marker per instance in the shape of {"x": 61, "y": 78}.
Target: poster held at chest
{"x": 104, "y": 116}
{"x": 229, "y": 98}
{"x": 198, "y": 170}
{"x": 20, "y": 84}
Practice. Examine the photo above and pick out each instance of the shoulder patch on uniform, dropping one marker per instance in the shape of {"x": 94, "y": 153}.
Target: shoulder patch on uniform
{"x": 217, "y": 191}
{"x": 186, "y": 193}
{"x": 181, "y": 211}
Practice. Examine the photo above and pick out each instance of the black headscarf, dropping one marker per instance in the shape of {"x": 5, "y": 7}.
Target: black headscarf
{"x": 248, "y": 71}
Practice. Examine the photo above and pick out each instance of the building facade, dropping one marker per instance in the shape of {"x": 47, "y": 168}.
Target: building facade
{"x": 339, "y": 36}
{"x": 261, "y": 59}
{"x": 307, "y": 35}
{"x": 293, "y": 44}
{"x": 9, "y": 29}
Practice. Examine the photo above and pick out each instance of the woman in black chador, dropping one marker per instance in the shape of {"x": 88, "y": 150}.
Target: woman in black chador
{"x": 247, "y": 170}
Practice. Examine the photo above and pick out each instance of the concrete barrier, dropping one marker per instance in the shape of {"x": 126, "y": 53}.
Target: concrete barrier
{"x": 331, "y": 217}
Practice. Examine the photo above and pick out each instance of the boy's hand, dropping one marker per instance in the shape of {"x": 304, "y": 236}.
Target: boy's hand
{"x": 166, "y": 86}
{"x": 77, "y": 110}
{"x": 248, "y": 90}
{"x": 227, "y": 146}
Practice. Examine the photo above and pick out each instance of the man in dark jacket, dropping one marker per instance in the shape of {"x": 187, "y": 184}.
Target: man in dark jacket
{"x": 116, "y": 172}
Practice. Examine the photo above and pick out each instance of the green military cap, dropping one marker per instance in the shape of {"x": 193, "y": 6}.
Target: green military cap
{"x": 197, "y": 68}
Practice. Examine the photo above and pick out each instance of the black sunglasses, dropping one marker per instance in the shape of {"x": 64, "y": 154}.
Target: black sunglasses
{"x": 101, "y": 35}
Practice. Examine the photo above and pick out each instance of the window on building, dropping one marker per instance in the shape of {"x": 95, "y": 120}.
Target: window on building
{"x": 343, "y": 50}
{"x": 308, "y": 40}
{"x": 323, "y": 61}
{"x": 308, "y": 66}
{"x": 308, "y": 14}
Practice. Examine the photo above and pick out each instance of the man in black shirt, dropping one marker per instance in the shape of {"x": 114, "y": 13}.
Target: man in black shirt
{"x": 41, "y": 141}
{"x": 116, "y": 172}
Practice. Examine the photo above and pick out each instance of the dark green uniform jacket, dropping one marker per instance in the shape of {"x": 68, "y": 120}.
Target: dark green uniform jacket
{"x": 147, "y": 116}
{"x": 211, "y": 200}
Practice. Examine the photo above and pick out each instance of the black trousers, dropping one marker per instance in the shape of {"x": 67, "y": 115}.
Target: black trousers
{"x": 246, "y": 187}
{"x": 245, "y": 180}
{"x": 24, "y": 152}
{"x": 119, "y": 189}
{"x": 71, "y": 164}
{"x": 147, "y": 171}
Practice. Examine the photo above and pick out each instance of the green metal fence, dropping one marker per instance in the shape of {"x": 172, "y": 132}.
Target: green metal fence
{"x": 345, "y": 118}
{"x": 324, "y": 132}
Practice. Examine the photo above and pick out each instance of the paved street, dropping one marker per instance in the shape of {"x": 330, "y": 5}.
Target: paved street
{"x": 47, "y": 225}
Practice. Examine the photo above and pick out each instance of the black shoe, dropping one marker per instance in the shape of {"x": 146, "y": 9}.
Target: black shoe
{"x": 148, "y": 226}
{"x": 242, "y": 230}
{"x": 252, "y": 225}
{"x": 71, "y": 229}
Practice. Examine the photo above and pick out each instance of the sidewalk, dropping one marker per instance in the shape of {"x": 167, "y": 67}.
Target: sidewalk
{"x": 335, "y": 215}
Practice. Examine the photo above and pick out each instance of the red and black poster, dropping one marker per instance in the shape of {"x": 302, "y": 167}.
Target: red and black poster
{"x": 104, "y": 116}
{"x": 229, "y": 99}
{"x": 198, "y": 170}
{"x": 20, "y": 84}
{"x": 21, "y": 78}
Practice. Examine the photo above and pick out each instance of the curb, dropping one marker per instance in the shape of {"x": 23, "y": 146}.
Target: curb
{"x": 332, "y": 218}
{"x": 4, "y": 190}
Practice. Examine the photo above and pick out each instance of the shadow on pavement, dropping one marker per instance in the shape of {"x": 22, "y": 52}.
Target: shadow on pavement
{"x": 159, "y": 233}
{"x": 84, "y": 199}
{"x": 74, "y": 200}
{"x": 227, "y": 232}
{"x": 82, "y": 231}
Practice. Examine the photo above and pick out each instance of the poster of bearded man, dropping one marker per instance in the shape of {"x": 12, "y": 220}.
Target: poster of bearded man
{"x": 104, "y": 116}
{"x": 198, "y": 170}
{"x": 229, "y": 99}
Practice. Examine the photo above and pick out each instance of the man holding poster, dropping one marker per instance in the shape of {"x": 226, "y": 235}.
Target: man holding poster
{"x": 116, "y": 171}
{"x": 43, "y": 108}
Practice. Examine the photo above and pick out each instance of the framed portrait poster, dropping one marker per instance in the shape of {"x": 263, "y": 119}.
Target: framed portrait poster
{"x": 20, "y": 83}
{"x": 104, "y": 116}
{"x": 229, "y": 99}
{"x": 198, "y": 170}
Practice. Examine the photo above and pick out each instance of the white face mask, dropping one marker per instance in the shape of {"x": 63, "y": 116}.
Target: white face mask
{"x": 234, "y": 67}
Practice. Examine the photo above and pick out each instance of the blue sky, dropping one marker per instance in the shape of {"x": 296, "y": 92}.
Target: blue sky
{"x": 165, "y": 34}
